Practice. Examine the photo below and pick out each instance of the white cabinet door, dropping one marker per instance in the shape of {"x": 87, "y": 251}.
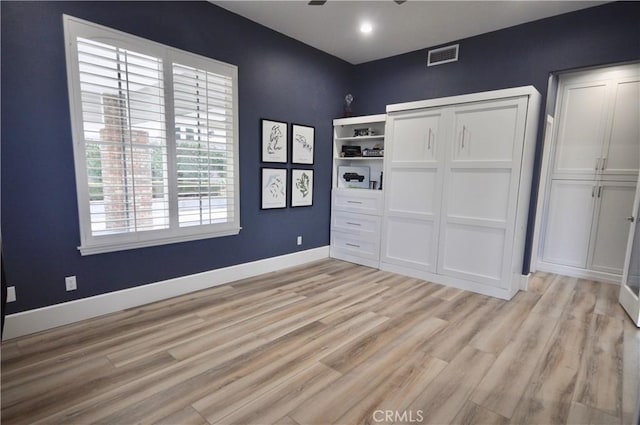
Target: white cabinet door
{"x": 581, "y": 129}
{"x": 622, "y": 149}
{"x": 569, "y": 219}
{"x": 611, "y": 227}
{"x": 481, "y": 180}
{"x": 416, "y": 136}
{"x": 413, "y": 188}
{"x": 486, "y": 131}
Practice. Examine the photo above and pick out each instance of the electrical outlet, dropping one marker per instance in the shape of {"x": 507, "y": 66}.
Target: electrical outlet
{"x": 299, "y": 240}
{"x": 70, "y": 283}
{"x": 11, "y": 294}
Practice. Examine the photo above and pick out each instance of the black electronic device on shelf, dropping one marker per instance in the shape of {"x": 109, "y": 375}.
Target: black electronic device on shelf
{"x": 349, "y": 151}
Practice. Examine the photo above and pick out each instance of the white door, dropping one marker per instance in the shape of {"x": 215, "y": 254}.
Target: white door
{"x": 569, "y": 221}
{"x": 610, "y": 227}
{"x": 412, "y": 184}
{"x": 621, "y": 154}
{"x": 630, "y": 288}
{"x": 581, "y": 129}
{"x": 481, "y": 179}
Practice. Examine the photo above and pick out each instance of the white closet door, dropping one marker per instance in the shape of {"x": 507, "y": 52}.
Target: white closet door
{"x": 581, "y": 128}
{"x": 569, "y": 219}
{"x": 622, "y": 148}
{"x": 412, "y": 184}
{"x": 611, "y": 227}
{"x": 481, "y": 179}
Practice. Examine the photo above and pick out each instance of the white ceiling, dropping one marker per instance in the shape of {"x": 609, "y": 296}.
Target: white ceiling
{"x": 414, "y": 25}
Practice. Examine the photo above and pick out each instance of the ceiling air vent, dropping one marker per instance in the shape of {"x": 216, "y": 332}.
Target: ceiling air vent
{"x": 443, "y": 55}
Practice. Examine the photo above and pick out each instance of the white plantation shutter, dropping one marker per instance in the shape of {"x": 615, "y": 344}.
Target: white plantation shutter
{"x": 155, "y": 141}
{"x": 125, "y": 142}
{"x": 203, "y": 112}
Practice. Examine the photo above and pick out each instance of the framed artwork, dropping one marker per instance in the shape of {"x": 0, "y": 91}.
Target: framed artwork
{"x": 301, "y": 188}
{"x": 302, "y": 144}
{"x": 274, "y": 188}
{"x": 274, "y": 141}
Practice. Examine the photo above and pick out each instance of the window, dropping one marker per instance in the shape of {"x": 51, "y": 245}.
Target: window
{"x": 155, "y": 136}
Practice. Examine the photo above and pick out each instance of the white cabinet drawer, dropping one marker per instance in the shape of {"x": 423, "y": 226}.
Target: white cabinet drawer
{"x": 354, "y": 245}
{"x": 358, "y": 201}
{"x": 358, "y": 224}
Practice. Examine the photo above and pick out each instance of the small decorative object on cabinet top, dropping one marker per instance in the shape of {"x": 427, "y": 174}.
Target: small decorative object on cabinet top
{"x": 348, "y": 99}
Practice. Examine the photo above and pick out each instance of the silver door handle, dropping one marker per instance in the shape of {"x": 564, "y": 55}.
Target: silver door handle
{"x": 352, "y": 244}
{"x": 604, "y": 161}
{"x": 631, "y": 219}
{"x": 354, "y": 224}
{"x": 429, "y": 139}
{"x": 464, "y": 129}
{"x": 593, "y": 191}
{"x": 599, "y": 190}
{"x": 597, "y": 164}
{"x": 354, "y": 202}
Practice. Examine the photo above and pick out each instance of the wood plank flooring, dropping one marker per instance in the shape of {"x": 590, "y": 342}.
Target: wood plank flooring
{"x": 336, "y": 343}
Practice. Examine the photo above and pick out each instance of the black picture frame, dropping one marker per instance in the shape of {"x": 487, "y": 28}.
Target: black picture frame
{"x": 302, "y": 144}
{"x": 273, "y": 188}
{"x": 274, "y": 142}
{"x": 302, "y": 182}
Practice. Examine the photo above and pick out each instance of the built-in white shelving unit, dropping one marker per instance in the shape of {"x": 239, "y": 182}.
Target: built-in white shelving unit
{"x": 356, "y": 210}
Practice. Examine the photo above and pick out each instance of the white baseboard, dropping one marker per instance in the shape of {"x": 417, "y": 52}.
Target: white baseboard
{"x": 578, "y": 272}
{"x": 31, "y": 321}
{"x": 492, "y": 291}
{"x": 524, "y": 281}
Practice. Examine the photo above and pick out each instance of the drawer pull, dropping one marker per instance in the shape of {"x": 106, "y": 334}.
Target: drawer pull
{"x": 354, "y": 202}
{"x": 352, "y": 244}
{"x": 354, "y": 224}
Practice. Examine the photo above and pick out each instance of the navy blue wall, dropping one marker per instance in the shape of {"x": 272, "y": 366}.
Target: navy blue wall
{"x": 279, "y": 78}
{"x": 517, "y": 56}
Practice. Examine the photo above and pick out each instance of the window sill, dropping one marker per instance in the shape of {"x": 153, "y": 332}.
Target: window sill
{"x": 91, "y": 249}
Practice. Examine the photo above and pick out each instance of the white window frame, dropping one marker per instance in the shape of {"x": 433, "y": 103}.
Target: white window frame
{"x": 90, "y": 244}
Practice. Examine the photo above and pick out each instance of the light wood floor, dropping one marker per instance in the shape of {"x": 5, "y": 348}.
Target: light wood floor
{"x": 333, "y": 342}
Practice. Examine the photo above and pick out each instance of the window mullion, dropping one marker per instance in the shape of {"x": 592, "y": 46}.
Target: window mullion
{"x": 170, "y": 121}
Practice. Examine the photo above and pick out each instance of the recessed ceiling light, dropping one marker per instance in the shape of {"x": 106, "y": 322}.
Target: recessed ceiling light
{"x": 366, "y": 28}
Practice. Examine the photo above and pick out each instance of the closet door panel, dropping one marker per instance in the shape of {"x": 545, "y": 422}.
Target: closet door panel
{"x": 611, "y": 226}
{"x": 581, "y": 127}
{"x": 479, "y": 193}
{"x": 413, "y": 191}
{"x": 485, "y": 131}
{"x": 413, "y": 188}
{"x": 474, "y": 252}
{"x": 569, "y": 219}
{"x": 416, "y": 136}
{"x": 623, "y": 144}
{"x": 407, "y": 243}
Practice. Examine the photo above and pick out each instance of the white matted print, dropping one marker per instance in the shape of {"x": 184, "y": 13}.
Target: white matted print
{"x": 274, "y": 188}
{"x": 301, "y": 188}
{"x": 274, "y": 141}
{"x": 302, "y": 144}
